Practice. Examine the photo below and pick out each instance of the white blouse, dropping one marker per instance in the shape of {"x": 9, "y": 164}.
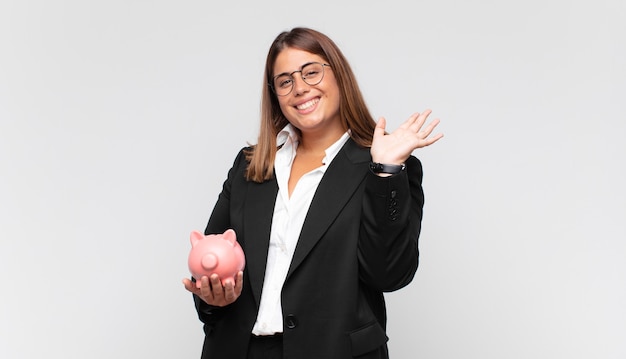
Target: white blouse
{"x": 289, "y": 215}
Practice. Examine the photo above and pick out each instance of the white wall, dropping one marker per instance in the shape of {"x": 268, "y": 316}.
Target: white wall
{"x": 119, "y": 120}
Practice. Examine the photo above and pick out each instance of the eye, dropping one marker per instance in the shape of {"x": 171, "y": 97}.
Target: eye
{"x": 311, "y": 72}
{"x": 283, "y": 82}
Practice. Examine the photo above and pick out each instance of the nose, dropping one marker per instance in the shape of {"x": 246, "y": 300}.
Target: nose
{"x": 299, "y": 86}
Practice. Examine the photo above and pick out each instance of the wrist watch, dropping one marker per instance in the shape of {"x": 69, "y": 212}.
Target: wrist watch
{"x": 383, "y": 168}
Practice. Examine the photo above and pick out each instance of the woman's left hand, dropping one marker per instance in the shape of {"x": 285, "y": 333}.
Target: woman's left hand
{"x": 396, "y": 147}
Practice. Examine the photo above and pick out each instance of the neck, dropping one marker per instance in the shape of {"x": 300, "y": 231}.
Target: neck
{"x": 318, "y": 143}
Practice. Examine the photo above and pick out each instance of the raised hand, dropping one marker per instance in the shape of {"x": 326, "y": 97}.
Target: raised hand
{"x": 397, "y": 146}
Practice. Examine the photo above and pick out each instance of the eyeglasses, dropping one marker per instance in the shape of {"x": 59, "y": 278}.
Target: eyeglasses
{"x": 311, "y": 73}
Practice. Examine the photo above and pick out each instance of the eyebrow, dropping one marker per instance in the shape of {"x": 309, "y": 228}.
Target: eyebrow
{"x": 290, "y": 73}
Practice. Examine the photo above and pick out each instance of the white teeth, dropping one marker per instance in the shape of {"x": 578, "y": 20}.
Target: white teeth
{"x": 307, "y": 104}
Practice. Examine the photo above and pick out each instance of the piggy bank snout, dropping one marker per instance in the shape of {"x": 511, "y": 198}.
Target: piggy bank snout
{"x": 209, "y": 261}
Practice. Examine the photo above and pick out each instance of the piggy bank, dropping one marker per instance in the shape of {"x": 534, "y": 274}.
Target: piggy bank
{"x": 215, "y": 253}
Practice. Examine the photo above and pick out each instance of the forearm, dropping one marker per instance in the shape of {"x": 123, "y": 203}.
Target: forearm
{"x": 390, "y": 227}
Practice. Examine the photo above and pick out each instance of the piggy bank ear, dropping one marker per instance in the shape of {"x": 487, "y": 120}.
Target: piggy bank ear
{"x": 195, "y": 237}
{"x": 230, "y": 236}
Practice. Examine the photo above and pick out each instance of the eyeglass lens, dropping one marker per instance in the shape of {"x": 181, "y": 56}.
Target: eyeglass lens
{"x": 311, "y": 74}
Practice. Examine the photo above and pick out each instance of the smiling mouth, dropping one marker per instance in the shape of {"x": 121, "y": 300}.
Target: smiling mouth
{"x": 308, "y": 104}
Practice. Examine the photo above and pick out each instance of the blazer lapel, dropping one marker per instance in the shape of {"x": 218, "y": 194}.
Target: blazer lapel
{"x": 341, "y": 179}
{"x": 257, "y": 222}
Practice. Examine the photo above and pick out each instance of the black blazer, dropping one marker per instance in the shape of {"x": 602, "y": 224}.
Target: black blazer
{"x": 359, "y": 239}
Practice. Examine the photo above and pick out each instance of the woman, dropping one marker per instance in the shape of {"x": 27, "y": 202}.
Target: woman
{"x": 327, "y": 207}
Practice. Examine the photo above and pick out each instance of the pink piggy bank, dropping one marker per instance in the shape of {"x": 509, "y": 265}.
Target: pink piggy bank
{"x": 215, "y": 253}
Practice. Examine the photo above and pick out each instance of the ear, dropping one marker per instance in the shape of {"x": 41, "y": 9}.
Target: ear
{"x": 230, "y": 236}
{"x": 195, "y": 237}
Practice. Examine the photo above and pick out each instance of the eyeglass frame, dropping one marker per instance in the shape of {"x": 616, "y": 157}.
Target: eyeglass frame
{"x": 271, "y": 84}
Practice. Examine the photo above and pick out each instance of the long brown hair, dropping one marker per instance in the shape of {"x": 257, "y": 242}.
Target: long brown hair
{"x": 354, "y": 114}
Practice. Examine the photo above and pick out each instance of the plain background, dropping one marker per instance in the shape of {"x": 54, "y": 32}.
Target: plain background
{"x": 119, "y": 120}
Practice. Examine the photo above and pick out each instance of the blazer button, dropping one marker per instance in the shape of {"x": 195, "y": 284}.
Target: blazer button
{"x": 393, "y": 208}
{"x": 291, "y": 321}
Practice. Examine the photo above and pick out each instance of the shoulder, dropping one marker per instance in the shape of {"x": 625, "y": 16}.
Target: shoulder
{"x": 355, "y": 152}
{"x": 240, "y": 164}
{"x": 243, "y": 156}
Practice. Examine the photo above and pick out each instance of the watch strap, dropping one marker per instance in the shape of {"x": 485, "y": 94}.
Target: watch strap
{"x": 385, "y": 168}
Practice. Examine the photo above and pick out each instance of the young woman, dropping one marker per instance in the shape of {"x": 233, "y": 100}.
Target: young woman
{"x": 327, "y": 207}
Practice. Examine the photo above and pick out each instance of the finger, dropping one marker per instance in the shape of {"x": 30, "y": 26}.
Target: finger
{"x": 217, "y": 288}
{"x": 420, "y": 120}
{"x": 239, "y": 283}
{"x": 429, "y": 128}
{"x": 205, "y": 289}
{"x": 229, "y": 291}
{"x": 380, "y": 126}
{"x": 190, "y": 286}
{"x": 430, "y": 141}
{"x": 410, "y": 121}
{"x": 379, "y": 130}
